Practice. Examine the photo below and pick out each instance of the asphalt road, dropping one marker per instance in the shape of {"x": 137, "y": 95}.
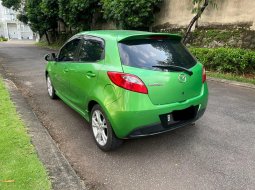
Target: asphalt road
{"x": 217, "y": 153}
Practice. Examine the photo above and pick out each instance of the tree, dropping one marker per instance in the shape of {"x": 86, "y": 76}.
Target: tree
{"x": 12, "y": 4}
{"x": 50, "y": 8}
{"x": 38, "y": 20}
{"x": 199, "y": 7}
{"x": 130, "y": 14}
{"x": 78, "y": 14}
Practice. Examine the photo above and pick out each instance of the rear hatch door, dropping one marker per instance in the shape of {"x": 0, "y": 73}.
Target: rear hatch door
{"x": 169, "y": 71}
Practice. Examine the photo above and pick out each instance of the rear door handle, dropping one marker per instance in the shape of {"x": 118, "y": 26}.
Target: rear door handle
{"x": 90, "y": 74}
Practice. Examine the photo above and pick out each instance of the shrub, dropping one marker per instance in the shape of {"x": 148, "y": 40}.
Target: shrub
{"x": 229, "y": 60}
{"x": 3, "y": 39}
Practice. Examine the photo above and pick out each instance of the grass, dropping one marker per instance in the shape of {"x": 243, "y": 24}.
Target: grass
{"x": 57, "y": 44}
{"x": 53, "y": 46}
{"x": 2, "y": 39}
{"x": 228, "y": 76}
{"x": 20, "y": 167}
{"x": 204, "y": 37}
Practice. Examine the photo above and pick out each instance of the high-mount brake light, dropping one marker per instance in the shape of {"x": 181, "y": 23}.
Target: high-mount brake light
{"x": 158, "y": 37}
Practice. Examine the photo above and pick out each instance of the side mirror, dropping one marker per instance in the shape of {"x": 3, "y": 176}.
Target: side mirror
{"x": 50, "y": 57}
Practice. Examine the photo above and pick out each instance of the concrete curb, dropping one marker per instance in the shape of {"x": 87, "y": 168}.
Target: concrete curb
{"x": 62, "y": 175}
{"x": 230, "y": 82}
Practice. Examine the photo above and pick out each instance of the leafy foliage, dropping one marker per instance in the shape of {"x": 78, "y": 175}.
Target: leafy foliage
{"x": 23, "y": 18}
{"x": 44, "y": 15}
{"x": 197, "y": 5}
{"x": 236, "y": 61}
{"x": 38, "y": 19}
{"x": 78, "y": 13}
{"x": 14, "y": 4}
{"x": 51, "y": 9}
{"x": 130, "y": 14}
{"x": 199, "y": 8}
{"x": 3, "y": 39}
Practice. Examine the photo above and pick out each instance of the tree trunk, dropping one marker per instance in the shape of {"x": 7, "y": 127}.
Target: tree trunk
{"x": 196, "y": 25}
{"x": 59, "y": 27}
{"x": 93, "y": 21}
{"x": 195, "y": 18}
{"x": 47, "y": 37}
{"x": 61, "y": 21}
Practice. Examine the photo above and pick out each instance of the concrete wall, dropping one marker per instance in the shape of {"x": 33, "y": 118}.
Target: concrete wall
{"x": 178, "y": 12}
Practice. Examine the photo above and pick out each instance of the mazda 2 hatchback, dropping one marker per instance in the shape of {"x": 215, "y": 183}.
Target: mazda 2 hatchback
{"x": 128, "y": 84}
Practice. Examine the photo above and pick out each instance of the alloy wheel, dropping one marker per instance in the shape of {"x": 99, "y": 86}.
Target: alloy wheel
{"x": 99, "y": 127}
{"x": 49, "y": 86}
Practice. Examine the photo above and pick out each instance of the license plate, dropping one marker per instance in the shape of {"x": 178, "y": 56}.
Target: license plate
{"x": 167, "y": 119}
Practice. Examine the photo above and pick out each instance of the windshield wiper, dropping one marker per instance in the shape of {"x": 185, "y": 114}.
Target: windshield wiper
{"x": 175, "y": 68}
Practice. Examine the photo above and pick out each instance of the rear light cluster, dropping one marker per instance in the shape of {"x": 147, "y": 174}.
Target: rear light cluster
{"x": 204, "y": 75}
{"x": 128, "y": 82}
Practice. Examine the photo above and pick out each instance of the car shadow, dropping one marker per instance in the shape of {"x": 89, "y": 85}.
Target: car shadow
{"x": 177, "y": 139}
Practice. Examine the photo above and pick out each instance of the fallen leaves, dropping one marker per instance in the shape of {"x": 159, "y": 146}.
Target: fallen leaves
{"x": 7, "y": 181}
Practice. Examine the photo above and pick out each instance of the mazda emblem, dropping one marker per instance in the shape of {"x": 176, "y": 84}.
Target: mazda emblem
{"x": 182, "y": 78}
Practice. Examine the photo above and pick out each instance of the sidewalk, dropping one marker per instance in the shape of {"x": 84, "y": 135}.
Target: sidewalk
{"x": 62, "y": 175}
{"x": 16, "y": 41}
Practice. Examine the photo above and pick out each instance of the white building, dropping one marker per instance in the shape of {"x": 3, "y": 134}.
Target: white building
{"x": 11, "y": 27}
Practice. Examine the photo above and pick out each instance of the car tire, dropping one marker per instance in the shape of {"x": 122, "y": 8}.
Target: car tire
{"x": 50, "y": 88}
{"x": 102, "y": 131}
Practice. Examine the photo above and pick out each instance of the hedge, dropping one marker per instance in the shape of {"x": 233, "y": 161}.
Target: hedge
{"x": 2, "y": 39}
{"x": 226, "y": 60}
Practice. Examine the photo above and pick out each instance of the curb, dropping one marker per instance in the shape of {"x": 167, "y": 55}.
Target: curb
{"x": 230, "y": 82}
{"x": 62, "y": 175}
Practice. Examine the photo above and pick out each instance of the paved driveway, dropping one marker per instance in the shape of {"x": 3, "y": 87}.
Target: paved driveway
{"x": 217, "y": 153}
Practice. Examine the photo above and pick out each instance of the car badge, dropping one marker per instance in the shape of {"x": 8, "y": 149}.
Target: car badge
{"x": 182, "y": 78}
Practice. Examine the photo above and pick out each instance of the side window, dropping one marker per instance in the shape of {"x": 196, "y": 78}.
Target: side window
{"x": 67, "y": 53}
{"x": 91, "y": 51}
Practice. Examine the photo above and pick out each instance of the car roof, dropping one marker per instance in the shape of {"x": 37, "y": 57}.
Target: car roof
{"x": 124, "y": 34}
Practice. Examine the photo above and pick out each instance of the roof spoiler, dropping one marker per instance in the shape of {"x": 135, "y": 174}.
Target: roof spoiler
{"x": 156, "y": 36}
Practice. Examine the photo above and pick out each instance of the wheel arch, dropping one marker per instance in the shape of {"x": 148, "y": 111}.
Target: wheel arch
{"x": 91, "y": 104}
{"x": 94, "y": 102}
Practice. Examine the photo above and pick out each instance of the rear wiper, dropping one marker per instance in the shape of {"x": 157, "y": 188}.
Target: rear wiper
{"x": 175, "y": 68}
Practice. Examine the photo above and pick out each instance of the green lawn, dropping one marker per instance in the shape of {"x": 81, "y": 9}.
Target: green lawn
{"x": 54, "y": 46}
{"x": 20, "y": 167}
{"x": 232, "y": 77}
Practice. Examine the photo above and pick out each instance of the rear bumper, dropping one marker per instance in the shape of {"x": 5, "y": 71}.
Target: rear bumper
{"x": 133, "y": 114}
{"x": 159, "y": 128}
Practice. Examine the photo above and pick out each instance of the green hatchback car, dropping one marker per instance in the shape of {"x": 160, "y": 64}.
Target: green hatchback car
{"x": 128, "y": 84}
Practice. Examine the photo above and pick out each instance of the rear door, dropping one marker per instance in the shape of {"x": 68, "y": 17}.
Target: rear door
{"x": 154, "y": 61}
{"x": 84, "y": 73}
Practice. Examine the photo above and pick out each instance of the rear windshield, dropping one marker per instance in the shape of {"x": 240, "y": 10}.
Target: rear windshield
{"x": 146, "y": 53}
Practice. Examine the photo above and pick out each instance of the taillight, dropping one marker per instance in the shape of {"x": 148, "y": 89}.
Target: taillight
{"x": 204, "y": 75}
{"x": 128, "y": 81}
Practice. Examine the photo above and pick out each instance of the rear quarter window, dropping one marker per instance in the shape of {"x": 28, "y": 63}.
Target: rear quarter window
{"x": 146, "y": 53}
{"x": 91, "y": 51}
